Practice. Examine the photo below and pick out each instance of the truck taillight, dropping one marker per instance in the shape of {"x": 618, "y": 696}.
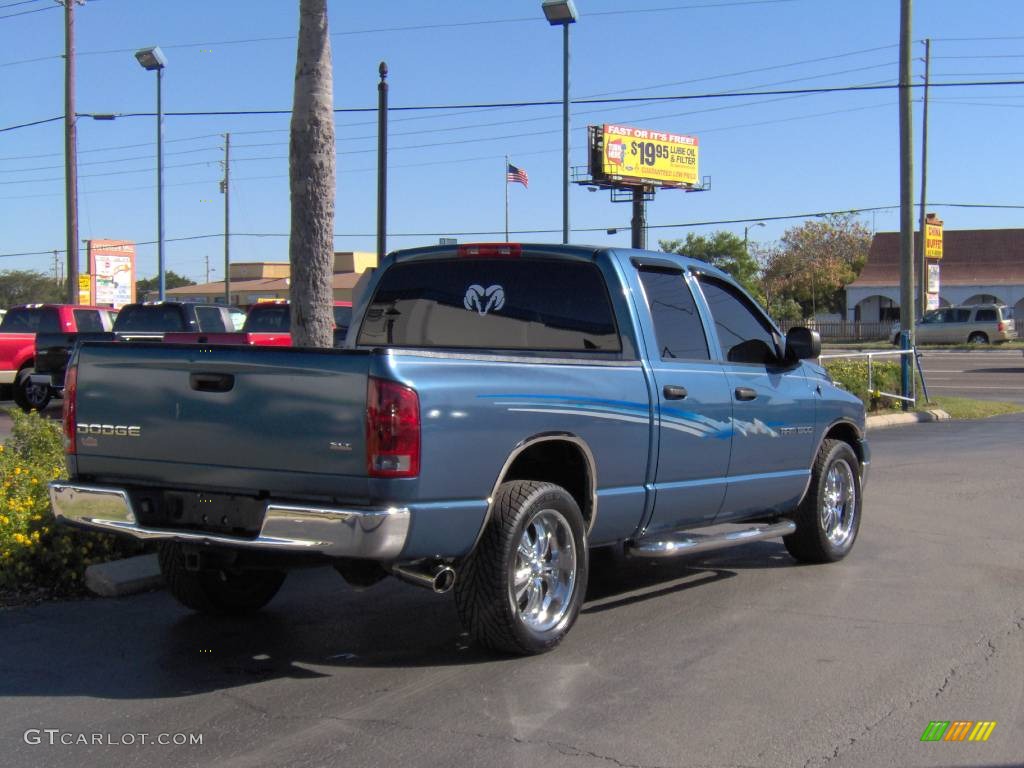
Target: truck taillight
{"x": 492, "y": 250}
{"x": 70, "y": 409}
{"x": 1001, "y": 327}
{"x": 392, "y": 429}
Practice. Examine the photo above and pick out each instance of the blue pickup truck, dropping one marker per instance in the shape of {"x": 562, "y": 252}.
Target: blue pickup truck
{"x": 499, "y": 413}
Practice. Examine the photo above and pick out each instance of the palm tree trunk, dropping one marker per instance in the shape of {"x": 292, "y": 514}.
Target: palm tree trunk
{"x": 311, "y": 174}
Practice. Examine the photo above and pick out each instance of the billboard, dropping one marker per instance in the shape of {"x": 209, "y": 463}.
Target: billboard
{"x": 641, "y": 156}
{"x": 112, "y": 267}
{"x": 933, "y": 241}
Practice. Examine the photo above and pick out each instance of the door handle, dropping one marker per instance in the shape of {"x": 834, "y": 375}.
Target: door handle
{"x": 745, "y": 393}
{"x": 675, "y": 392}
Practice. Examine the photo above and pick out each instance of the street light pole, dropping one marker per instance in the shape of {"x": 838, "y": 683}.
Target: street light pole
{"x": 160, "y": 181}
{"x": 153, "y": 59}
{"x": 746, "y": 229}
{"x": 563, "y": 13}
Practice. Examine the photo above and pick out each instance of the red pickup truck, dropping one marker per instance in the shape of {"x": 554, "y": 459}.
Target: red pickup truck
{"x": 268, "y": 324}
{"x": 18, "y": 342}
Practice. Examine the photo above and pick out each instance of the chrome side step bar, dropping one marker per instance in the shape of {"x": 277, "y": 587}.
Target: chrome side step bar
{"x": 688, "y": 542}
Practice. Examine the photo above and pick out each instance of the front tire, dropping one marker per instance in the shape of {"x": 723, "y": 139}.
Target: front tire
{"x": 521, "y": 589}
{"x": 29, "y": 396}
{"x": 828, "y": 518}
{"x": 231, "y": 592}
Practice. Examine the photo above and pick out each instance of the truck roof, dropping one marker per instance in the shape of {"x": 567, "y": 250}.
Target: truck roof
{"x": 553, "y": 250}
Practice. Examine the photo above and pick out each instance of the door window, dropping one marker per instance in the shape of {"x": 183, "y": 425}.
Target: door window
{"x": 210, "y": 319}
{"x": 677, "y": 324}
{"x": 743, "y": 333}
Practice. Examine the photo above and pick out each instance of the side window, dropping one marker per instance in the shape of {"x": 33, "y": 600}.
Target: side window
{"x": 49, "y": 321}
{"x": 676, "y": 321}
{"x": 743, "y": 333}
{"x": 210, "y": 319}
{"x": 960, "y": 316}
{"x": 88, "y": 321}
{"x": 985, "y": 316}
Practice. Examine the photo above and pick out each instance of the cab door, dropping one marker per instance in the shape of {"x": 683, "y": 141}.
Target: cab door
{"x": 774, "y": 406}
{"x": 692, "y": 415}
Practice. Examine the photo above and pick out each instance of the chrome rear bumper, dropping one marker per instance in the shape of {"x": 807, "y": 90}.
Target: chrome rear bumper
{"x": 372, "y": 534}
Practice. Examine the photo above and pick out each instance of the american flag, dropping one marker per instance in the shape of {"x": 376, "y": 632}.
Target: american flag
{"x": 517, "y": 175}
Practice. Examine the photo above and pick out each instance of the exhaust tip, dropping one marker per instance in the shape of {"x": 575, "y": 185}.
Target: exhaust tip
{"x": 444, "y": 579}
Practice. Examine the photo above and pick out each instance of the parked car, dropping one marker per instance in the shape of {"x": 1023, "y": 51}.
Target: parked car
{"x": 18, "y": 333}
{"x": 499, "y": 412}
{"x": 267, "y": 324}
{"x": 144, "y": 321}
{"x": 969, "y": 323}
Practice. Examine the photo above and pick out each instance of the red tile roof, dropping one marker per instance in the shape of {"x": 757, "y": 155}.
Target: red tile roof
{"x": 970, "y": 257}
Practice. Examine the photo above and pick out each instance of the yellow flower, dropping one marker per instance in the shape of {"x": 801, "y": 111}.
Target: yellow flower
{"x": 19, "y": 538}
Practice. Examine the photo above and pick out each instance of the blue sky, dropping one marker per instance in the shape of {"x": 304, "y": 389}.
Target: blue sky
{"x": 767, "y": 156}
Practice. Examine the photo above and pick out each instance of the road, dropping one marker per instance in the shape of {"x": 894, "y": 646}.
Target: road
{"x": 738, "y": 660}
{"x": 995, "y": 374}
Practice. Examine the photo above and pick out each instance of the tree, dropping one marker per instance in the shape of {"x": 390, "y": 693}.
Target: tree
{"x": 311, "y": 175}
{"x": 19, "y": 286}
{"x": 815, "y": 261}
{"x": 721, "y": 249}
{"x": 151, "y": 284}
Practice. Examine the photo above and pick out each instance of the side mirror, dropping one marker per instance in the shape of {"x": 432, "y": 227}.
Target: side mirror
{"x": 802, "y": 344}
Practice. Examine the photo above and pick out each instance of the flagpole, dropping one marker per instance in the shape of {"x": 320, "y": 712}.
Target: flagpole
{"x": 506, "y": 198}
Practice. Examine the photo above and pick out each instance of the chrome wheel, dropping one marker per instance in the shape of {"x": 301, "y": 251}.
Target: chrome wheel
{"x": 839, "y": 503}
{"x": 544, "y": 571}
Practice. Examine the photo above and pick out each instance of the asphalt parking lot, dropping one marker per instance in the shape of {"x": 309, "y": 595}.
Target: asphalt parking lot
{"x": 738, "y": 659}
{"x": 990, "y": 374}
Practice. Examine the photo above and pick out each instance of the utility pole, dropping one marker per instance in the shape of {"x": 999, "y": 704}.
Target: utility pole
{"x": 70, "y": 150}
{"x": 921, "y": 239}
{"x": 207, "y": 259}
{"x": 225, "y": 188}
{"x": 906, "y": 200}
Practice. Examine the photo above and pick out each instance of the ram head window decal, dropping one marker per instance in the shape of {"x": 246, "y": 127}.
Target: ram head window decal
{"x": 484, "y": 300}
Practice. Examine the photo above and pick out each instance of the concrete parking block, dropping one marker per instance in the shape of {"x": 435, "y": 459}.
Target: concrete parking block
{"x": 124, "y": 577}
{"x": 900, "y": 419}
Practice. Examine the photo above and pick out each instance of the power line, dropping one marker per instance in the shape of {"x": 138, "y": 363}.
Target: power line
{"x": 681, "y": 225}
{"x": 5, "y": 6}
{"x": 416, "y": 28}
{"x": 34, "y": 122}
{"x": 34, "y": 10}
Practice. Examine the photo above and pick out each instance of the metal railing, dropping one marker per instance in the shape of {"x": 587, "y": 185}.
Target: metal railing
{"x": 898, "y": 353}
{"x": 842, "y": 330}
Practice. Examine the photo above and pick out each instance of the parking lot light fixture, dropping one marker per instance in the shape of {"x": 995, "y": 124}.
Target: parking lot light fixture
{"x": 563, "y": 13}
{"x": 153, "y": 59}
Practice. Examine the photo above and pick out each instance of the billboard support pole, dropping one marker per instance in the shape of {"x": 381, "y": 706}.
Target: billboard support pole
{"x": 382, "y": 162}
{"x": 639, "y": 222}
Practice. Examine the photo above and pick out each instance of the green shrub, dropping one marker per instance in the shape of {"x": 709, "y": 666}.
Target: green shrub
{"x": 35, "y": 552}
{"x": 852, "y": 375}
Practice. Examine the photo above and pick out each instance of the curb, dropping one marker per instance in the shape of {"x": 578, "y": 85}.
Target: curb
{"x": 901, "y": 419}
{"x": 124, "y": 577}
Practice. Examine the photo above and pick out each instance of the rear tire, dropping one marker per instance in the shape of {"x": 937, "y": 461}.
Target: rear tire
{"x": 521, "y": 589}
{"x": 29, "y": 396}
{"x": 977, "y": 338}
{"x": 218, "y": 592}
{"x": 828, "y": 518}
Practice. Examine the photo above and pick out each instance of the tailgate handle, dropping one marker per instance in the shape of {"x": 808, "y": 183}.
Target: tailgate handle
{"x": 211, "y": 382}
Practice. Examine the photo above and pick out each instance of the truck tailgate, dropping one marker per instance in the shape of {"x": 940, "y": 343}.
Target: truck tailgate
{"x": 253, "y": 419}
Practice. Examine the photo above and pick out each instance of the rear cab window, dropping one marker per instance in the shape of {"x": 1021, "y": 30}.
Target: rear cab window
{"x": 268, "y": 318}
{"x": 151, "y": 318}
{"x": 535, "y": 304}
